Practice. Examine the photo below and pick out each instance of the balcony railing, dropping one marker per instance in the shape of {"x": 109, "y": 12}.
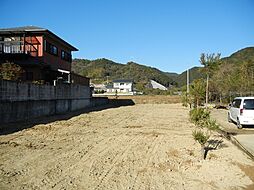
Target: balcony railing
{"x": 18, "y": 47}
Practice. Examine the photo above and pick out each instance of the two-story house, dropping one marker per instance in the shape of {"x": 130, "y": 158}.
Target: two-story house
{"x": 121, "y": 86}
{"x": 42, "y": 54}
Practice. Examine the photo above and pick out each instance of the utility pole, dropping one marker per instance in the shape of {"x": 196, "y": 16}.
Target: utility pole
{"x": 107, "y": 79}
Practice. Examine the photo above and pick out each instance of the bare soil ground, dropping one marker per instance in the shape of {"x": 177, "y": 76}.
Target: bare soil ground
{"x": 151, "y": 99}
{"x": 145, "y": 146}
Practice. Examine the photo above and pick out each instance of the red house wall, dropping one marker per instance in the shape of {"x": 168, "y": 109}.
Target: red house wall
{"x": 55, "y": 62}
{"x": 40, "y": 48}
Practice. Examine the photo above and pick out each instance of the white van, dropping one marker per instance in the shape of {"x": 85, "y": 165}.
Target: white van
{"x": 241, "y": 111}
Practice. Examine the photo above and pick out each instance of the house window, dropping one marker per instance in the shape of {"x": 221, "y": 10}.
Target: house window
{"x": 50, "y": 48}
{"x": 54, "y": 50}
{"x": 65, "y": 56}
{"x": 121, "y": 83}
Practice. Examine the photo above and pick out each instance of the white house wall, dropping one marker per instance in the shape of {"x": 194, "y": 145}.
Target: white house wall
{"x": 123, "y": 87}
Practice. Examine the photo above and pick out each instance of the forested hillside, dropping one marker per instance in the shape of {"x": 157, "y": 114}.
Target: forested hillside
{"x": 172, "y": 75}
{"x": 194, "y": 73}
{"x": 101, "y": 70}
{"x": 235, "y": 74}
{"x": 243, "y": 55}
{"x": 232, "y": 74}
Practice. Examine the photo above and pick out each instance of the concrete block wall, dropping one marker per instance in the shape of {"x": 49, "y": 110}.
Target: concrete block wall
{"x": 21, "y": 91}
{"x": 78, "y": 104}
{"x": 20, "y": 101}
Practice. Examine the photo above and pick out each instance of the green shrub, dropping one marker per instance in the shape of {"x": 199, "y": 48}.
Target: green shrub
{"x": 185, "y": 99}
{"x": 10, "y": 71}
{"x": 201, "y": 118}
{"x": 200, "y": 136}
{"x": 211, "y": 125}
{"x": 199, "y": 115}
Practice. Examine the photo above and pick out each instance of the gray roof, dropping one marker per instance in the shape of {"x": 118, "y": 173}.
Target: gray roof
{"x": 23, "y": 29}
{"x": 123, "y": 80}
{"x": 108, "y": 86}
{"x": 34, "y": 29}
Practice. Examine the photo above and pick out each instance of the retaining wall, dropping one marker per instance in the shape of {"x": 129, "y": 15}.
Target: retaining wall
{"x": 20, "y": 101}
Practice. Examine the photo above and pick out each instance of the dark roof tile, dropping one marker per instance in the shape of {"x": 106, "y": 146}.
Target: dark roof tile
{"x": 24, "y": 29}
{"x": 123, "y": 80}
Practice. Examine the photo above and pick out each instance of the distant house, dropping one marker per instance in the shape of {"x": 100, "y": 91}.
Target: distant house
{"x": 100, "y": 88}
{"x": 110, "y": 88}
{"x": 42, "y": 54}
{"x": 120, "y": 86}
{"x": 123, "y": 85}
{"x": 155, "y": 85}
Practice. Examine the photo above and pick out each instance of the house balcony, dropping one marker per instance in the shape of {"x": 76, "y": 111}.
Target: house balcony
{"x": 16, "y": 48}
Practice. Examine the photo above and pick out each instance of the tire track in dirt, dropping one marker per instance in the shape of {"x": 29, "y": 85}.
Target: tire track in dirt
{"x": 72, "y": 163}
{"x": 147, "y": 160}
{"x": 118, "y": 158}
{"x": 87, "y": 155}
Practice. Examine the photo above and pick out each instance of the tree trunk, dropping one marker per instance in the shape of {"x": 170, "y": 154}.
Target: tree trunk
{"x": 206, "y": 95}
{"x": 202, "y": 151}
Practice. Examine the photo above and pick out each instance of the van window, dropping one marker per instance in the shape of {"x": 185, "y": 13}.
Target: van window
{"x": 248, "y": 104}
{"x": 236, "y": 103}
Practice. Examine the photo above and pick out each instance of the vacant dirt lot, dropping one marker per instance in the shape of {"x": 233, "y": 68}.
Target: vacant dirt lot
{"x": 151, "y": 99}
{"x": 146, "y": 146}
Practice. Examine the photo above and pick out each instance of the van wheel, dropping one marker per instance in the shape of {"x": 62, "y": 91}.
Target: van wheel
{"x": 229, "y": 119}
{"x": 239, "y": 126}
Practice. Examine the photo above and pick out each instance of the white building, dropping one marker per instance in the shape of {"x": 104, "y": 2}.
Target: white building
{"x": 99, "y": 87}
{"x": 121, "y": 86}
{"x": 156, "y": 85}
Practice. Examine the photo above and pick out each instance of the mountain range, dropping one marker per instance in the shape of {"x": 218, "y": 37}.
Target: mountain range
{"x": 102, "y": 70}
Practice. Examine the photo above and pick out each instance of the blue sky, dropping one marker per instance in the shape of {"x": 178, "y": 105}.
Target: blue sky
{"x": 168, "y": 35}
